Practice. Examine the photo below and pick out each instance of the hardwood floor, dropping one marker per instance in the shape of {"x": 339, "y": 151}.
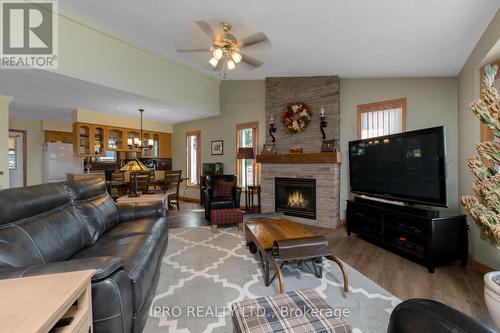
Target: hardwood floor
{"x": 454, "y": 285}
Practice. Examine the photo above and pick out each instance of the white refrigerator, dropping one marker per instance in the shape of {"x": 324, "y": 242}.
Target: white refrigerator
{"x": 58, "y": 160}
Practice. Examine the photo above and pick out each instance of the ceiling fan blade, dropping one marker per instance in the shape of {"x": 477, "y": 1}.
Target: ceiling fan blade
{"x": 252, "y": 39}
{"x": 251, "y": 61}
{"x": 202, "y": 50}
{"x": 206, "y": 29}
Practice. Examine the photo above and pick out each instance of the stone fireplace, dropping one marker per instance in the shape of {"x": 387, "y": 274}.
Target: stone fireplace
{"x": 310, "y": 167}
{"x": 296, "y": 196}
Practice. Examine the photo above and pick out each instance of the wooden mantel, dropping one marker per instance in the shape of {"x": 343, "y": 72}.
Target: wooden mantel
{"x": 311, "y": 158}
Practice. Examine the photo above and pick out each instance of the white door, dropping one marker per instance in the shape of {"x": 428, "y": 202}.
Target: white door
{"x": 16, "y": 159}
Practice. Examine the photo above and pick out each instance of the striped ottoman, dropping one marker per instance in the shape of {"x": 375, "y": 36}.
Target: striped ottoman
{"x": 226, "y": 216}
{"x": 300, "y": 311}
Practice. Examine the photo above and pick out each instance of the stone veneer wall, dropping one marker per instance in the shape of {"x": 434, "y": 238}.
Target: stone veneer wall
{"x": 316, "y": 92}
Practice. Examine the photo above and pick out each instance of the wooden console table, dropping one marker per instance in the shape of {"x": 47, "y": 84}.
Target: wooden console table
{"x": 38, "y": 303}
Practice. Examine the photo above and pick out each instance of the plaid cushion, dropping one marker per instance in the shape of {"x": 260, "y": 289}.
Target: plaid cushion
{"x": 226, "y": 216}
{"x": 225, "y": 189}
{"x": 300, "y": 311}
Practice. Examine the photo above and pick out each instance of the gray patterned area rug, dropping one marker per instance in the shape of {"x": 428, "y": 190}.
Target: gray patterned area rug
{"x": 204, "y": 273}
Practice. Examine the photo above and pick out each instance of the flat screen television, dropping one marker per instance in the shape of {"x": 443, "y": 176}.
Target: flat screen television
{"x": 408, "y": 167}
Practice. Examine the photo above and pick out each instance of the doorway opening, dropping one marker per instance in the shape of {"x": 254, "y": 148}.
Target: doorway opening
{"x": 17, "y": 158}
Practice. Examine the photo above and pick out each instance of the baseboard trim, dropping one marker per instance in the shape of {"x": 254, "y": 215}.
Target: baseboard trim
{"x": 188, "y": 199}
{"x": 480, "y": 266}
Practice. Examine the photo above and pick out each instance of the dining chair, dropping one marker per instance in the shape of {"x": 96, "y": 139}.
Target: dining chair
{"x": 171, "y": 185}
{"x": 142, "y": 179}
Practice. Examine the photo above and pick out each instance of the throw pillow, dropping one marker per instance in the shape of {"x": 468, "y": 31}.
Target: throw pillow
{"x": 225, "y": 189}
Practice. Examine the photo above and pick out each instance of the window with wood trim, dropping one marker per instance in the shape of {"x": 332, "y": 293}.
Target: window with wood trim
{"x": 193, "y": 158}
{"x": 381, "y": 118}
{"x": 486, "y": 133}
{"x": 247, "y": 135}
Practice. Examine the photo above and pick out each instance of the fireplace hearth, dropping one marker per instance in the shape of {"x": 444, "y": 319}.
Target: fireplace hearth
{"x": 296, "y": 197}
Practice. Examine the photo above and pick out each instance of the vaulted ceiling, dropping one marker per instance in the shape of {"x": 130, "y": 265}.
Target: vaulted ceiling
{"x": 349, "y": 38}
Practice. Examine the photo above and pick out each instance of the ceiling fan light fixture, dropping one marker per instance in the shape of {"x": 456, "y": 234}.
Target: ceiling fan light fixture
{"x": 217, "y": 53}
{"x": 236, "y": 57}
{"x": 230, "y": 64}
{"x": 214, "y": 62}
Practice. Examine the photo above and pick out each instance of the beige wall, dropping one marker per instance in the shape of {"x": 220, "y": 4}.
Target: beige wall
{"x": 34, "y": 142}
{"x": 4, "y": 137}
{"x": 35, "y": 135}
{"x": 241, "y": 101}
{"x": 431, "y": 102}
{"x": 103, "y": 118}
{"x": 468, "y": 90}
{"x": 88, "y": 52}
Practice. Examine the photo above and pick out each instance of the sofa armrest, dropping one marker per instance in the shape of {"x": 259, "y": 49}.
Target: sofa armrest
{"x": 104, "y": 266}
{"x": 423, "y": 315}
{"x": 128, "y": 211}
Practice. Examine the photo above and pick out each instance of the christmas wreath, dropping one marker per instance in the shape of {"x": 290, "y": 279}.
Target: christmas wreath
{"x": 295, "y": 117}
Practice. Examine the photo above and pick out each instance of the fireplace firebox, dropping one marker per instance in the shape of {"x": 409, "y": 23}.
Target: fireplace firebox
{"x": 296, "y": 197}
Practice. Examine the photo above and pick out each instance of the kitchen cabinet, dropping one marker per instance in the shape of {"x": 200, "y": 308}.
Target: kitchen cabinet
{"x": 56, "y": 136}
{"x": 165, "y": 145}
{"x": 99, "y": 140}
{"x": 81, "y": 142}
{"x": 154, "y": 139}
{"x": 94, "y": 140}
{"x": 115, "y": 140}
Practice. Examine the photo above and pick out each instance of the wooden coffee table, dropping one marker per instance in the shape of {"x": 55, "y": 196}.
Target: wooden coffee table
{"x": 260, "y": 236}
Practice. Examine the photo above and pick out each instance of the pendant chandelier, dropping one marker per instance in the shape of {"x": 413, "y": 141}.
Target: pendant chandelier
{"x": 136, "y": 143}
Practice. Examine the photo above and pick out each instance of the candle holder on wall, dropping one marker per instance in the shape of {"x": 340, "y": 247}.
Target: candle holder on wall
{"x": 323, "y": 123}
{"x": 272, "y": 130}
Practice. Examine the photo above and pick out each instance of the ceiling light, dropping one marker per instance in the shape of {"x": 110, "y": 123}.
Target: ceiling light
{"x": 214, "y": 62}
{"x": 236, "y": 57}
{"x": 230, "y": 64}
{"x": 217, "y": 53}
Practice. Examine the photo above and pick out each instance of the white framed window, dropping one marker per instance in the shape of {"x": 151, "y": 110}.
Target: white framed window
{"x": 381, "y": 118}
{"x": 247, "y": 136}
{"x": 193, "y": 158}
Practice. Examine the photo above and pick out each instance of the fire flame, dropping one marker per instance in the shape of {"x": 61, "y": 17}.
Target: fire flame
{"x": 296, "y": 200}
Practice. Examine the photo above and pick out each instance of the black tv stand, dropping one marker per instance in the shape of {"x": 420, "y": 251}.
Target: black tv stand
{"x": 430, "y": 237}
{"x": 401, "y": 207}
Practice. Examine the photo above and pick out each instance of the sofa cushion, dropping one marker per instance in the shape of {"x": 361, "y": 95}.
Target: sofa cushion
{"x": 20, "y": 203}
{"x": 95, "y": 206}
{"x": 51, "y": 236}
{"x": 140, "y": 253}
{"x": 150, "y": 225}
{"x": 38, "y": 225}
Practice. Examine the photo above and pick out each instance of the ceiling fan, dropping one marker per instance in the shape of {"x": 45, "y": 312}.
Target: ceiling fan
{"x": 226, "y": 48}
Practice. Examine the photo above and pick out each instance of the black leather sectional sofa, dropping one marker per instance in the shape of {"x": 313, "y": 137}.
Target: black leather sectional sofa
{"x": 72, "y": 226}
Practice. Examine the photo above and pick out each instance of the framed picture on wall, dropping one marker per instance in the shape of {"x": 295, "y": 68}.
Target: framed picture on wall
{"x": 269, "y": 149}
{"x": 328, "y": 146}
{"x": 218, "y": 147}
